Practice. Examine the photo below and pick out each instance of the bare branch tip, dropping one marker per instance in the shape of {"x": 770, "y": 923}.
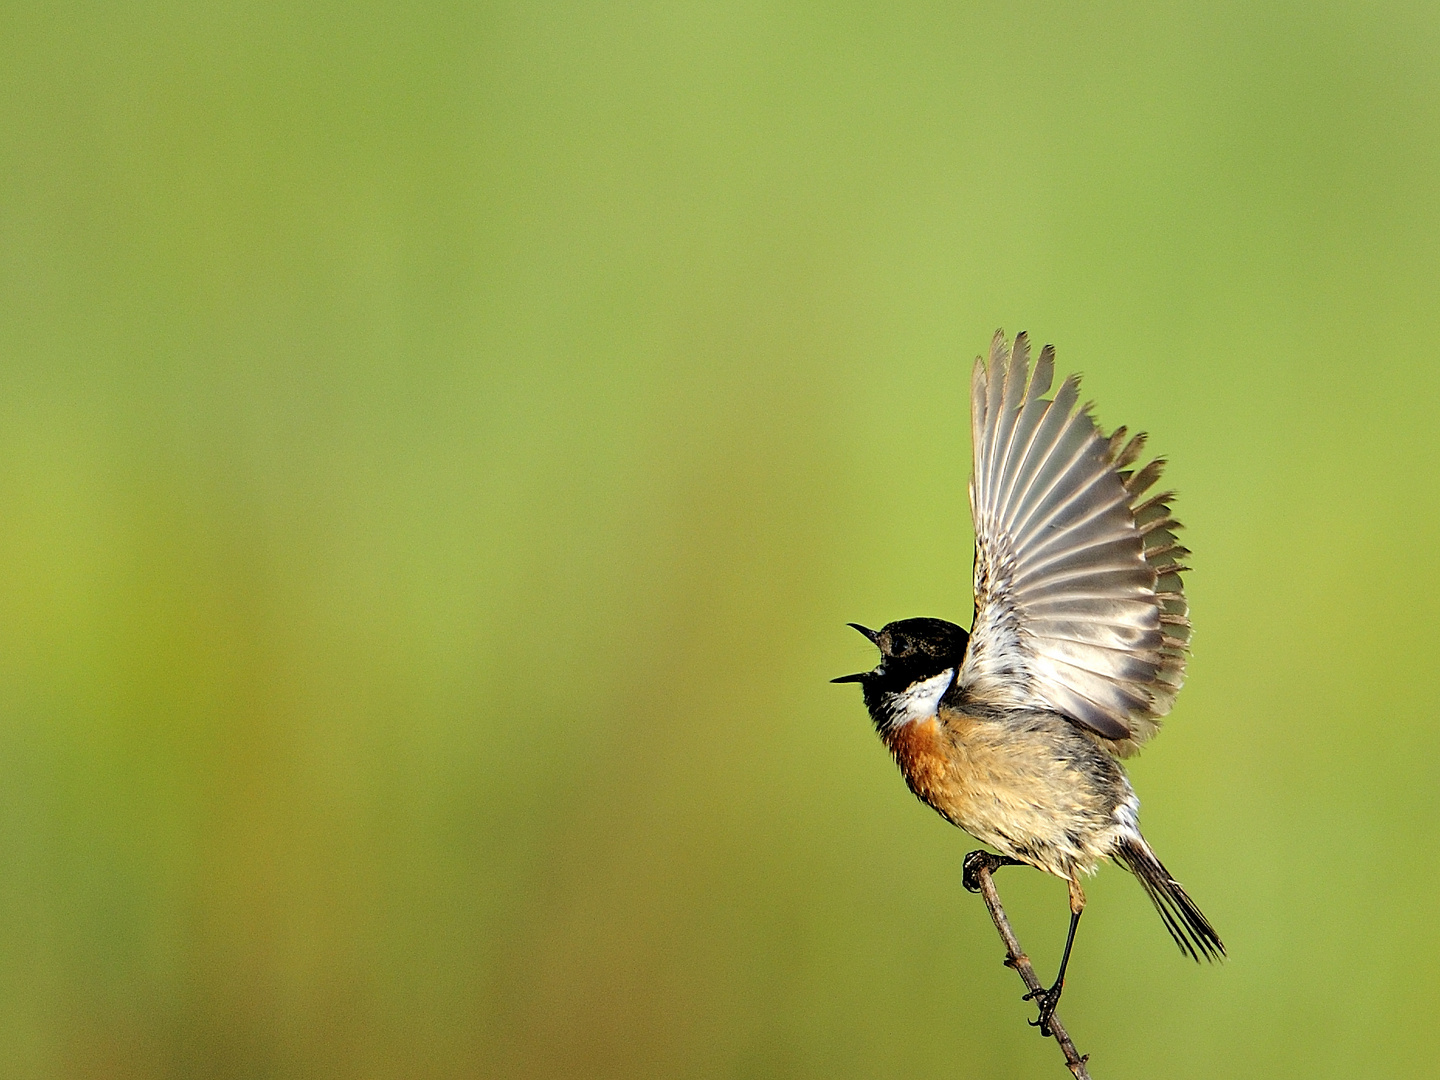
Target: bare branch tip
{"x": 978, "y": 868}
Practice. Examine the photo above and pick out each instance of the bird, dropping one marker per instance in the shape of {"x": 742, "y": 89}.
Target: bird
{"x": 1015, "y": 729}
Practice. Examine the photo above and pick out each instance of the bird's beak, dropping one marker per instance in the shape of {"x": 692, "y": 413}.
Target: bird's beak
{"x": 859, "y": 676}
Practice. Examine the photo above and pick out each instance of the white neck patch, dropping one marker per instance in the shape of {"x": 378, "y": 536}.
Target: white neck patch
{"x": 920, "y": 701}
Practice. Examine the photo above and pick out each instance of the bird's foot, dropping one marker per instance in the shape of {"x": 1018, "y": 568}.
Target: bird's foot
{"x": 1047, "y": 1000}
{"x": 984, "y": 860}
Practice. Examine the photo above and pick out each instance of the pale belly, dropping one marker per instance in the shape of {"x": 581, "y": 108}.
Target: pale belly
{"x": 1028, "y": 784}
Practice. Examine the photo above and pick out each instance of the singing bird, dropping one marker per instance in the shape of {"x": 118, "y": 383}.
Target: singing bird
{"x": 1014, "y": 730}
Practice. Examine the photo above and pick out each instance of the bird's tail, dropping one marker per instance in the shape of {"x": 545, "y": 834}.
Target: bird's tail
{"x": 1186, "y": 923}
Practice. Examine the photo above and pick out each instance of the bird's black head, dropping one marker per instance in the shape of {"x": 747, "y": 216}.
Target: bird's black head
{"x": 914, "y": 654}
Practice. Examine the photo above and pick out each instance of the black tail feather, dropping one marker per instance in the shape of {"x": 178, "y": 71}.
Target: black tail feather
{"x": 1186, "y": 923}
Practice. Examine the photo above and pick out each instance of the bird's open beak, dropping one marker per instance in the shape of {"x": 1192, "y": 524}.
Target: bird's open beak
{"x": 859, "y": 676}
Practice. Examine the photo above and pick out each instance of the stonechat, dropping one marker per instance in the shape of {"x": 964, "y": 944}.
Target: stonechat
{"x": 1014, "y": 730}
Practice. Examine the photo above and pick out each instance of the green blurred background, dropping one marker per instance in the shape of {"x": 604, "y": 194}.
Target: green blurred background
{"x": 440, "y": 447}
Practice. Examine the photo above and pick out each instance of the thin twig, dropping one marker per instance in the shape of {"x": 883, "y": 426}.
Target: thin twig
{"x": 978, "y": 867}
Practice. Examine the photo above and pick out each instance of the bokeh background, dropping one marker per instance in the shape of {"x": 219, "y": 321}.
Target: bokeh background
{"x": 441, "y": 445}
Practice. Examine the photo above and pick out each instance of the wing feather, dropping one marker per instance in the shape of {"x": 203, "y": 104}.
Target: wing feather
{"x": 1079, "y": 603}
{"x": 995, "y": 405}
{"x": 1016, "y": 376}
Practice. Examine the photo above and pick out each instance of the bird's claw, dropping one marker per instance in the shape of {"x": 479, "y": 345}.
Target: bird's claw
{"x": 983, "y": 860}
{"x": 974, "y": 863}
{"x": 1047, "y": 1000}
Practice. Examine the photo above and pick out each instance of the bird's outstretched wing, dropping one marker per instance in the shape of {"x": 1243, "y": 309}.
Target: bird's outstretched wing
{"x": 1079, "y": 606}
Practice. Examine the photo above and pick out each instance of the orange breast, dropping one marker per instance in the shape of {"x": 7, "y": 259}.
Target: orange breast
{"x": 919, "y": 749}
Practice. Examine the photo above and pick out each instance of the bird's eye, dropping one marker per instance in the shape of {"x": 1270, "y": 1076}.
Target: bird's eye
{"x": 901, "y": 646}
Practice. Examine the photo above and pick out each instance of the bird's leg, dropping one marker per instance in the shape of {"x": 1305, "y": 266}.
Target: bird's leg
{"x": 978, "y": 860}
{"x": 1048, "y": 999}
